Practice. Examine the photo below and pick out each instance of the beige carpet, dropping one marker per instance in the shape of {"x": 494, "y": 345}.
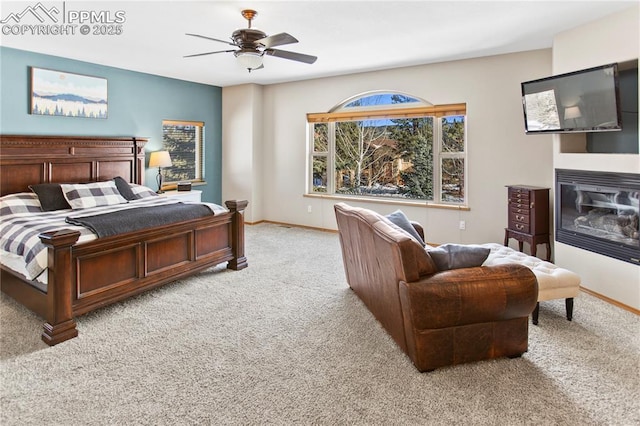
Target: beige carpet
{"x": 285, "y": 341}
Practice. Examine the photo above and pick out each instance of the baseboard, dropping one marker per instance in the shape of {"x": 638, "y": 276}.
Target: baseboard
{"x": 333, "y": 231}
{"x": 611, "y": 301}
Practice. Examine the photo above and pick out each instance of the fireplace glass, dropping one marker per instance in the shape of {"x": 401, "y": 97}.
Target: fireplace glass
{"x": 599, "y": 212}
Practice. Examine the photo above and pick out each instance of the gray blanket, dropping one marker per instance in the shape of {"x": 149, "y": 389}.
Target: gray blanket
{"x": 120, "y": 222}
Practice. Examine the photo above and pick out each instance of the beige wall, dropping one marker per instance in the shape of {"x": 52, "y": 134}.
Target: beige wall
{"x": 242, "y": 147}
{"x": 612, "y": 39}
{"x": 499, "y": 152}
{"x": 265, "y": 142}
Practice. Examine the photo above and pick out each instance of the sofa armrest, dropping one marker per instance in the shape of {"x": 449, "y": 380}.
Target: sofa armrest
{"x": 469, "y": 296}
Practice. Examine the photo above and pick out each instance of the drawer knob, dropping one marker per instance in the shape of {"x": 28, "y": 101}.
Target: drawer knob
{"x": 519, "y": 227}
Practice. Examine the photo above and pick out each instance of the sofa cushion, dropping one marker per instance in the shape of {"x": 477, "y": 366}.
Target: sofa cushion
{"x": 402, "y": 221}
{"x": 455, "y": 256}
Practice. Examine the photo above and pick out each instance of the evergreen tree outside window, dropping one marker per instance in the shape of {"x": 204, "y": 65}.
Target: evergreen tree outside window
{"x": 390, "y": 145}
{"x": 185, "y": 142}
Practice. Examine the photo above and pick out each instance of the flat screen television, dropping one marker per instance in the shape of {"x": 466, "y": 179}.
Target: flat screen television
{"x": 580, "y": 101}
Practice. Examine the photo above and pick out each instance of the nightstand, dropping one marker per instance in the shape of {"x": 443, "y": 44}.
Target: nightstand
{"x": 184, "y": 195}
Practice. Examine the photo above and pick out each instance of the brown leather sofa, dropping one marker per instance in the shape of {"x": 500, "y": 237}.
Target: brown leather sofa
{"x": 438, "y": 318}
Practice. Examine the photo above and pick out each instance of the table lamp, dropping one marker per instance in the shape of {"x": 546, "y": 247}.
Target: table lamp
{"x": 160, "y": 159}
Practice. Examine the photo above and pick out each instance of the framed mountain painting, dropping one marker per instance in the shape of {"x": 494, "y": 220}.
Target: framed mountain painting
{"x": 68, "y": 95}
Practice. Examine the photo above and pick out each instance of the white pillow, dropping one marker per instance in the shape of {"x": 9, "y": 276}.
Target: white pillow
{"x": 86, "y": 195}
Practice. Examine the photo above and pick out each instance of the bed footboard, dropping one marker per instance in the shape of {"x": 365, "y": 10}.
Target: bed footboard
{"x": 87, "y": 276}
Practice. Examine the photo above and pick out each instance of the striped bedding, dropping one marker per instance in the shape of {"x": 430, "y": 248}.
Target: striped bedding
{"x": 19, "y": 231}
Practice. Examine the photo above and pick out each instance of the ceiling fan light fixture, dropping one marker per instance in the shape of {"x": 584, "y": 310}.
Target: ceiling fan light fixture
{"x": 249, "y": 60}
{"x": 253, "y": 44}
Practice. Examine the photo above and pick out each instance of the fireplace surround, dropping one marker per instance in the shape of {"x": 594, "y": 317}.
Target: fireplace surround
{"x": 599, "y": 212}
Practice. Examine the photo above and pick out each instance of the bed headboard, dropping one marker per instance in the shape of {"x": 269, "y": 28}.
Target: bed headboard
{"x": 28, "y": 160}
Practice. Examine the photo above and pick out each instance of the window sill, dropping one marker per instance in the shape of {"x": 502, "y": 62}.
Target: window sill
{"x": 388, "y": 201}
{"x": 171, "y": 186}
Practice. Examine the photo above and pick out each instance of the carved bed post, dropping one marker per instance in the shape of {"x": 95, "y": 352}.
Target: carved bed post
{"x": 239, "y": 260}
{"x": 60, "y": 325}
{"x": 138, "y": 163}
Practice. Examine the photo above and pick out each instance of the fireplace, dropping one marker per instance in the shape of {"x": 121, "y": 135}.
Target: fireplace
{"x": 598, "y": 211}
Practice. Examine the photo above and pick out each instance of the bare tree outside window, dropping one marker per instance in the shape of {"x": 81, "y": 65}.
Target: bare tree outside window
{"x": 361, "y": 150}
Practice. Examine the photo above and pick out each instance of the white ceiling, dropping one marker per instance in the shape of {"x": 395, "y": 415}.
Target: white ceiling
{"x": 347, "y": 36}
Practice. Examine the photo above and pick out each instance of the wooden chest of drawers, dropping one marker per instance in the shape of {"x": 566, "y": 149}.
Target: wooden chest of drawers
{"x": 528, "y": 217}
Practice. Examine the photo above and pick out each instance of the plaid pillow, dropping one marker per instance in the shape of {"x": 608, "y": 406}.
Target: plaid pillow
{"x": 142, "y": 191}
{"x": 24, "y": 202}
{"x": 85, "y": 195}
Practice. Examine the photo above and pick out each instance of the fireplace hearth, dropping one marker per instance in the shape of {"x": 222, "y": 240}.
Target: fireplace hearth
{"x": 599, "y": 212}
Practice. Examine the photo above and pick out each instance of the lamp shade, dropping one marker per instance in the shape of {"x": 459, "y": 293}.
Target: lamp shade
{"x": 572, "y": 112}
{"x": 160, "y": 159}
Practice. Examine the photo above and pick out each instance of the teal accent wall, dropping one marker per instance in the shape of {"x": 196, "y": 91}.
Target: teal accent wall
{"x": 138, "y": 103}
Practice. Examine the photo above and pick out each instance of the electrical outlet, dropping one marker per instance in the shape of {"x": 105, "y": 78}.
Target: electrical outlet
{"x": 463, "y": 225}
{"x": 309, "y": 208}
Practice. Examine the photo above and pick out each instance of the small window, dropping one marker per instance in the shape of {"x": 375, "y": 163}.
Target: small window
{"x": 185, "y": 142}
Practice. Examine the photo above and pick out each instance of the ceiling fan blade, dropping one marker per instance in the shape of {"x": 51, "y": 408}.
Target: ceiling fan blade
{"x": 277, "y": 40}
{"x": 294, "y": 56}
{"x": 211, "y": 38}
{"x": 209, "y": 53}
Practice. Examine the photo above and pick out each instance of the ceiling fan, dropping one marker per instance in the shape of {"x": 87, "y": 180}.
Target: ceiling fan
{"x": 253, "y": 44}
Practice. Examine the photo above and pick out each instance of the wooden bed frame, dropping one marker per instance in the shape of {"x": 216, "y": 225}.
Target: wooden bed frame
{"x": 87, "y": 276}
